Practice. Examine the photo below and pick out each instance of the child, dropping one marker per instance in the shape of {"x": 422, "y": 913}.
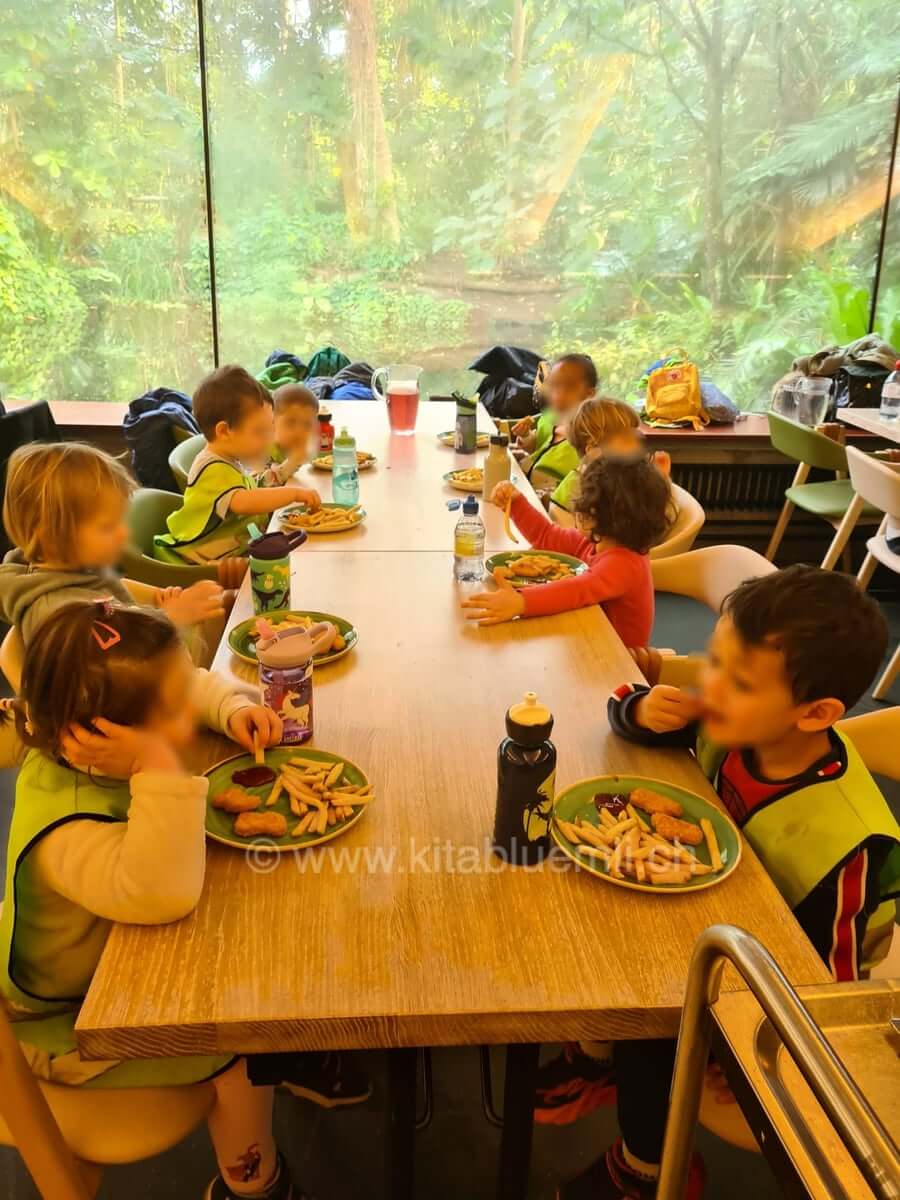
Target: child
{"x": 221, "y": 500}
{"x": 130, "y": 847}
{"x": 64, "y": 510}
{"x": 296, "y": 412}
{"x": 600, "y": 425}
{"x": 791, "y": 653}
{"x": 622, "y": 512}
{"x": 573, "y": 377}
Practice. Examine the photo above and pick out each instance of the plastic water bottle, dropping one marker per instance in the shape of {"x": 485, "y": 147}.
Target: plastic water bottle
{"x": 468, "y": 544}
{"x": 345, "y": 474}
{"x": 890, "y": 396}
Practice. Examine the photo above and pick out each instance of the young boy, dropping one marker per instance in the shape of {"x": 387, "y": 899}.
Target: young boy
{"x": 296, "y": 413}
{"x": 221, "y": 500}
{"x": 573, "y": 377}
{"x": 791, "y": 653}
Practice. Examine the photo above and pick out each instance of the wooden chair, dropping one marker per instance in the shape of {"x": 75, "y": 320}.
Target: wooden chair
{"x": 833, "y": 500}
{"x": 66, "y": 1135}
{"x": 878, "y": 483}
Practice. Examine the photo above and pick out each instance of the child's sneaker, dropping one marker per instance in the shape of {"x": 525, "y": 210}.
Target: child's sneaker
{"x": 331, "y": 1080}
{"x": 610, "y": 1178}
{"x": 572, "y": 1085}
{"x": 280, "y": 1188}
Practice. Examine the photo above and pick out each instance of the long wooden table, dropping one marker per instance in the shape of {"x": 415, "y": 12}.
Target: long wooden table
{"x": 406, "y": 932}
{"x": 869, "y": 420}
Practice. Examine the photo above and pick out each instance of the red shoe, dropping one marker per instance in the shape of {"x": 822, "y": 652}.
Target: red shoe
{"x": 572, "y": 1085}
{"x": 610, "y": 1178}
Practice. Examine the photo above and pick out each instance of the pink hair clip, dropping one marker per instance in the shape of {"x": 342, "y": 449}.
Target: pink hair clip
{"x": 105, "y": 642}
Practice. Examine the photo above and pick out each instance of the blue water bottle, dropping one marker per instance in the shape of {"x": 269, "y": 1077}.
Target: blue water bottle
{"x": 345, "y": 472}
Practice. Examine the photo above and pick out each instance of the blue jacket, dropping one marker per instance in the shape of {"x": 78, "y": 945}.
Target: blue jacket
{"x": 148, "y": 427}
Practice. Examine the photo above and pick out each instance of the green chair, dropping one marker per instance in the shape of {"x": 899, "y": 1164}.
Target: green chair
{"x": 830, "y": 500}
{"x": 182, "y": 457}
{"x": 146, "y": 517}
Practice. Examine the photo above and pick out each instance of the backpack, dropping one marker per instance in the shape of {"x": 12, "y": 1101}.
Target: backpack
{"x": 859, "y": 384}
{"x": 673, "y": 396}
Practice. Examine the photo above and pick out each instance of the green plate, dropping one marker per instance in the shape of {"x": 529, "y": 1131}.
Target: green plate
{"x": 450, "y": 478}
{"x": 220, "y": 825}
{"x": 244, "y": 646}
{"x": 578, "y": 801}
{"x": 289, "y": 528}
{"x": 501, "y": 560}
{"x": 448, "y": 438}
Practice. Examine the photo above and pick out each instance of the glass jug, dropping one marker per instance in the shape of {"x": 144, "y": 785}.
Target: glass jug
{"x": 401, "y": 395}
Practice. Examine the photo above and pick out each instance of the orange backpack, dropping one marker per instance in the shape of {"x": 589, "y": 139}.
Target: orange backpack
{"x": 673, "y": 396}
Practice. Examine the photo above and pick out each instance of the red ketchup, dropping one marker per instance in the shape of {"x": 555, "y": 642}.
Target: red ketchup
{"x": 250, "y": 777}
{"x": 326, "y": 433}
{"x": 613, "y": 803}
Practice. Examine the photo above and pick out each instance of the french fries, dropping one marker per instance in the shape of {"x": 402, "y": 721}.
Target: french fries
{"x": 327, "y": 519}
{"x": 712, "y": 844}
{"x": 325, "y": 462}
{"x": 318, "y": 794}
{"x": 259, "y": 753}
{"x": 507, "y": 526}
{"x": 468, "y": 477}
{"x": 538, "y": 568}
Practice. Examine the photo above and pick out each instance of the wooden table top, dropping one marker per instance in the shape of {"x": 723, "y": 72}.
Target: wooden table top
{"x": 405, "y": 932}
{"x": 868, "y": 419}
{"x": 404, "y": 494}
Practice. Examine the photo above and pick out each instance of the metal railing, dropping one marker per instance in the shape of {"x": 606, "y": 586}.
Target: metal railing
{"x": 866, "y": 1139}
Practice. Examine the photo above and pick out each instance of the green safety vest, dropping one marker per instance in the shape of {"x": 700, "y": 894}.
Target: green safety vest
{"x": 551, "y": 462}
{"x": 566, "y": 493}
{"x": 197, "y": 521}
{"x": 801, "y": 837}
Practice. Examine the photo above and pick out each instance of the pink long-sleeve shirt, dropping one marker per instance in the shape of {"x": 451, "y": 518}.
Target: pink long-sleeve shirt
{"x": 617, "y": 579}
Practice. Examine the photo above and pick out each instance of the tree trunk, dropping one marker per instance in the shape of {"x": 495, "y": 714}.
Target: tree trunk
{"x": 374, "y": 167}
{"x": 716, "y": 266}
{"x": 525, "y": 229}
{"x": 514, "y": 109}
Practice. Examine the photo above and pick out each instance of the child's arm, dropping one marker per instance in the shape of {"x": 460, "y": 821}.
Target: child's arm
{"x": 542, "y": 533}
{"x": 223, "y": 708}
{"x": 278, "y": 474}
{"x": 659, "y": 716}
{"x": 607, "y": 577}
{"x": 250, "y": 501}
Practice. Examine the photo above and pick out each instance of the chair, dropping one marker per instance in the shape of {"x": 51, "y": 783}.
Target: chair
{"x": 147, "y": 515}
{"x": 878, "y": 483}
{"x": 183, "y": 454}
{"x": 708, "y": 575}
{"x": 65, "y": 1135}
{"x": 833, "y": 500}
{"x": 21, "y": 427}
{"x": 688, "y": 523}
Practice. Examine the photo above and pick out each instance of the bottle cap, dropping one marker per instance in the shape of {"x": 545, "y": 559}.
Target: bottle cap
{"x": 470, "y": 506}
{"x": 275, "y": 545}
{"x": 499, "y": 439}
{"x": 529, "y": 723}
{"x": 324, "y": 417}
{"x": 292, "y": 647}
{"x": 344, "y": 438}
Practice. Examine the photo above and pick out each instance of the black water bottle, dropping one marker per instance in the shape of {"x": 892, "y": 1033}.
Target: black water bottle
{"x": 526, "y": 778}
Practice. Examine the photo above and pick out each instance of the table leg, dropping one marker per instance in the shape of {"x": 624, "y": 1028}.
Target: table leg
{"x": 518, "y": 1121}
{"x": 400, "y": 1172}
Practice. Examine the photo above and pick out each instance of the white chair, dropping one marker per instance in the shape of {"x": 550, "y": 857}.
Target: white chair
{"x": 684, "y": 530}
{"x": 878, "y": 483}
{"x": 708, "y": 575}
{"x": 65, "y": 1135}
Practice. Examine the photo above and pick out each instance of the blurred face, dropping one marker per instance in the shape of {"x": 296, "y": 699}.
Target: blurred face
{"x": 250, "y": 438}
{"x": 101, "y": 538}
{"x": 623, "y": 443}
{"x": 567, "y": 387}
{"x": 174, "y": 715}
{"x": 746, "y": 696}
{"x": 294, "y": 429}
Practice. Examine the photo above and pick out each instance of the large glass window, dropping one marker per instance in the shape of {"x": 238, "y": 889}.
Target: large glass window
{"x": 104, "y": 277}
{"x": 417, "y": 179}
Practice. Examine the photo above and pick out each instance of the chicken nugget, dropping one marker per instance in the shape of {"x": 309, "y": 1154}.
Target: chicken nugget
{"x": 676, "y": 831}
{"x": 253, "y": 824}
{"x": 236, "y": 800}
{"x": 655, "y": 802}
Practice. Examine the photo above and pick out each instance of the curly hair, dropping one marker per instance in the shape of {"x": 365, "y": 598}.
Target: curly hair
{"x": 625, "y": 499}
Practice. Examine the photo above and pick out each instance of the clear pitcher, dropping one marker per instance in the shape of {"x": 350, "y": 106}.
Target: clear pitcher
{"x": 401, "y": 394}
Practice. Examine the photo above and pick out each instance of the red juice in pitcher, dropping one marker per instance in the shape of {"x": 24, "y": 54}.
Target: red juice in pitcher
{"x": 403, "y": 406}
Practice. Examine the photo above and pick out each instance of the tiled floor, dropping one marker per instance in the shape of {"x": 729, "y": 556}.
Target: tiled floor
{"x": 339, "y": 1155}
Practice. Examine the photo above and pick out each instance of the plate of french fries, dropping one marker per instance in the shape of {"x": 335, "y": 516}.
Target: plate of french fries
{"x": 522, "y": 568}
{"x": 243, "y": 637}
{"x": 330, "y": 518}
{"x": 311, "y": 797}
{"x": 325, "y": 462}
{"x": 466, "y": 479}
{"x": 645, "y": 834}
{"x": 448, "y": 438}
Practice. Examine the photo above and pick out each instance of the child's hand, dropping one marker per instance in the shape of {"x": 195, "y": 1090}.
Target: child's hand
{"x": 491, "y": 608}
{"x": 665, "y": 709}
{"x": 231, "y": 571}
{"x": 307, "y": 496}
{"x": 503, "y": 493}
{"x": 649, "y": 662}
{"x": 259, "y": 720}
{"x": 192, "y": 606}
{"x": 118, "y": 751}
{"x": 522, "y": 427}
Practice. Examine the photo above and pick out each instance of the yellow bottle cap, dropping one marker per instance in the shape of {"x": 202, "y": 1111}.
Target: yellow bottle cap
{"x": 530, "y": 711}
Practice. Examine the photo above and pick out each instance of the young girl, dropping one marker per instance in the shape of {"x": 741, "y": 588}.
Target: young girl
{"x": 126, "y": 845}
{"x": 622, "y": 511}
{"x": 601, "y": 425}
{"x": 572, "y": 378}
{"x": 64, "y": 510}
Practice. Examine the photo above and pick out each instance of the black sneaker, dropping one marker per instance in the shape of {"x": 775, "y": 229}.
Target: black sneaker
{"x": 281, "y": 1187}
{"x": 572, "y": 1085}
{"x": 610, "y": 1178}
{"x": 331, "y": 1080}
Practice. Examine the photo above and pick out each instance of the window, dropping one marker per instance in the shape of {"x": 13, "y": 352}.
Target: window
{"x": 420, "y": 179}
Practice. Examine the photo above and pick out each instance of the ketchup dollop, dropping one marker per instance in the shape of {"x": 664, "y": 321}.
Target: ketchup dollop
{"x": 253, "y": 776}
